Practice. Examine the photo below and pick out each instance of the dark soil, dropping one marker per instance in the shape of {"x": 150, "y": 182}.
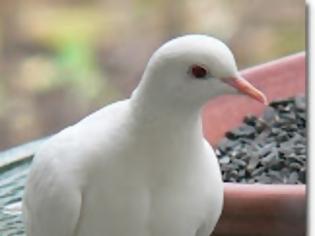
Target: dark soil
{"x": 270, "y": 149}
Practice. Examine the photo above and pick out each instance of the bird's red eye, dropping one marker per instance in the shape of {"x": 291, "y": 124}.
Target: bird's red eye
{"x": 198, "y": 72}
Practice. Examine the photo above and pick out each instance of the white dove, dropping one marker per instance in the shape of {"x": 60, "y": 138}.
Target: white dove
{"x": 139, "y": 167}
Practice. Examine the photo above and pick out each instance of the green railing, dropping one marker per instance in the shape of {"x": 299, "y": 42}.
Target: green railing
{"x": 14, "y": 166}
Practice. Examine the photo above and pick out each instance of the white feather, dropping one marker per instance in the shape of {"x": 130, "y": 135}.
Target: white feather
{"x": 138, "y": 167}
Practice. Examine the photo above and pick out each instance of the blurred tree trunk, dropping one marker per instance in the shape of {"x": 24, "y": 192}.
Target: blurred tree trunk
{"x": 8, "y": 19}
{"x": 173, "y": 17}
{"x": 9, "y": 37}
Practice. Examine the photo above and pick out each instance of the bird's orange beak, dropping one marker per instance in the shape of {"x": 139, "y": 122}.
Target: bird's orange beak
{"x": 245, "y": 87}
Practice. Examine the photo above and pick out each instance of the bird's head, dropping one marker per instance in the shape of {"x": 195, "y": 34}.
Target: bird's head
{"x": 192, "y": 69}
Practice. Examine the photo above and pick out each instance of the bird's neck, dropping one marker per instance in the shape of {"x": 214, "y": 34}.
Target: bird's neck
{"x": 156, "y": 113}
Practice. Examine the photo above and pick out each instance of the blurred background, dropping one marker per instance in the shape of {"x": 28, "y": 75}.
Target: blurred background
{"x": 63, "y": 59}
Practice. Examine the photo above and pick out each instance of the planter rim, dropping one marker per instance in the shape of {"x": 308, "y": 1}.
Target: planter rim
{"x": 275, "y": 188}
{"x": 262, "y": 210}
{"x": 276, "y": 61}
{"x": 278, "y": 79}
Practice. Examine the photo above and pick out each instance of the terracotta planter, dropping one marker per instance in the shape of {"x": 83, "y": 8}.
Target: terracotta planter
{"x": 259, "y": 210}
{"x": 263, "y": 210}
{"x": 278, "y": 79}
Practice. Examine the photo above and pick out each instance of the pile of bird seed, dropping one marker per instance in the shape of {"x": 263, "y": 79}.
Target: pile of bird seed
{"x": 270, "y": 149}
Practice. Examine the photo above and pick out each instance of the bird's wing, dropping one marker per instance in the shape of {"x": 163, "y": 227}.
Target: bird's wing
{"x": 52, "y": 198}
{"x": 52, "y": 210}
{"x": 53, "y": 193}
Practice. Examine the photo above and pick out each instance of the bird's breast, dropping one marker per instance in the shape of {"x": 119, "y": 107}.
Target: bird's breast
{"x": 152, "y": 195}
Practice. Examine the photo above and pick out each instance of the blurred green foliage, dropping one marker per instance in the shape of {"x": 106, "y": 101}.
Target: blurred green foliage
{"x": 60, "y": 60}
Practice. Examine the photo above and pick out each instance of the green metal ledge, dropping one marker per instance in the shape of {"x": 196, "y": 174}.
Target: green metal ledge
{"x": 14, "y": 166}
